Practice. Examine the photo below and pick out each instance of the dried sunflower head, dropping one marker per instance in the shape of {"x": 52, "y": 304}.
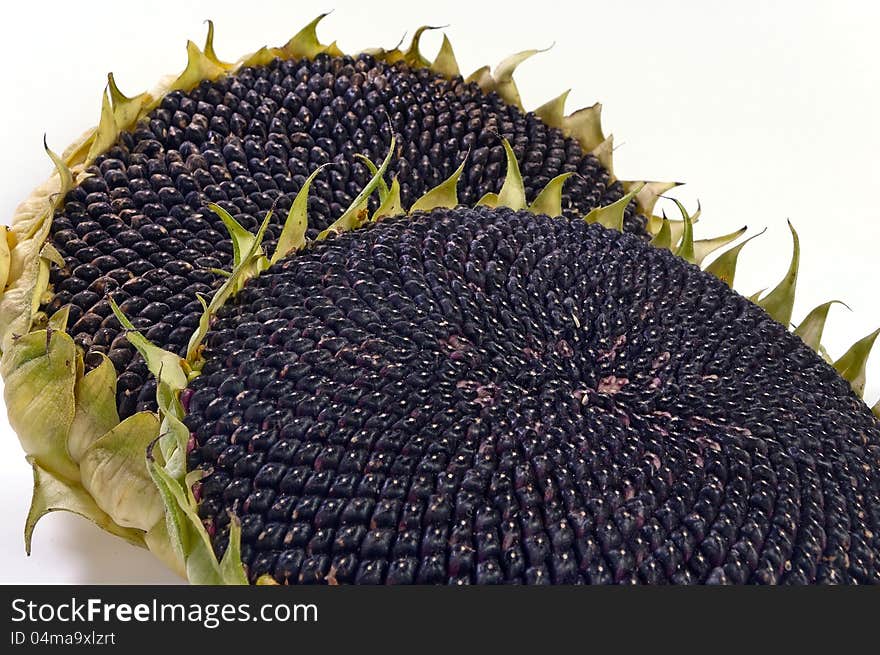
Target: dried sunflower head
{"x": 234, "y": 339}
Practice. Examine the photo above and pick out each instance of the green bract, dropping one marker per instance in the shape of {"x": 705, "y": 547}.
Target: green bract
{"x": 130, "y": 477}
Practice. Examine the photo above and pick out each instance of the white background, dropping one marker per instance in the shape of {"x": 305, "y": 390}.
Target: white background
{"x": 767, "y": 110}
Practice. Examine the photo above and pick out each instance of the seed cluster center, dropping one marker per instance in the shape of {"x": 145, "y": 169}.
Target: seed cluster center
{"x": 139, "y": 229}
{"x": 482, "y": 396}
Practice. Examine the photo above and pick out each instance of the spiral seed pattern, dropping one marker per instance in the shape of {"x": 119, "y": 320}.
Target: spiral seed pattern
{"x": 488, "y": 396}
{"x": 139, "y": 228}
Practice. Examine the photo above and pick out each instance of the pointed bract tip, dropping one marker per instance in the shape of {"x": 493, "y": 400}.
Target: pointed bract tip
{"x": 482, "y": 77}
{"x": 724, "y": 266}
{"x": 612, "y": 215}
{"x": 813, "y": 326}
{"x": 445, "y": 63}
{"x": 305, "y": 43}
{"x": 513, "y": 191}
{"x": 705, "y": 247}
{"x": 293, "y": 234}
{"x": 356, "y": 213}
{"x": 116, "y": 96}
{"x": 504, "y": 84}
{"x": 392, "y": 205}
{"x": 663, "y": 237}
{"x": 853, "y": 362}
{"x": 780, "y": 301}
{"x": 651, "y": 192}
{"x": 209, "y": 51}
{"x": 241, "y": 238}
{"x": 686, "y": 248}
{"x": 549, "y": 199}
{"x": 552, "y": 112}
{"x": 413, "y": 55}
{"x": 444, "y": 194}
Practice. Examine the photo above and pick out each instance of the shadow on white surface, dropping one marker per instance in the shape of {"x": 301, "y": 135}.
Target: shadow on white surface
{"x": 68, "y": 549}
